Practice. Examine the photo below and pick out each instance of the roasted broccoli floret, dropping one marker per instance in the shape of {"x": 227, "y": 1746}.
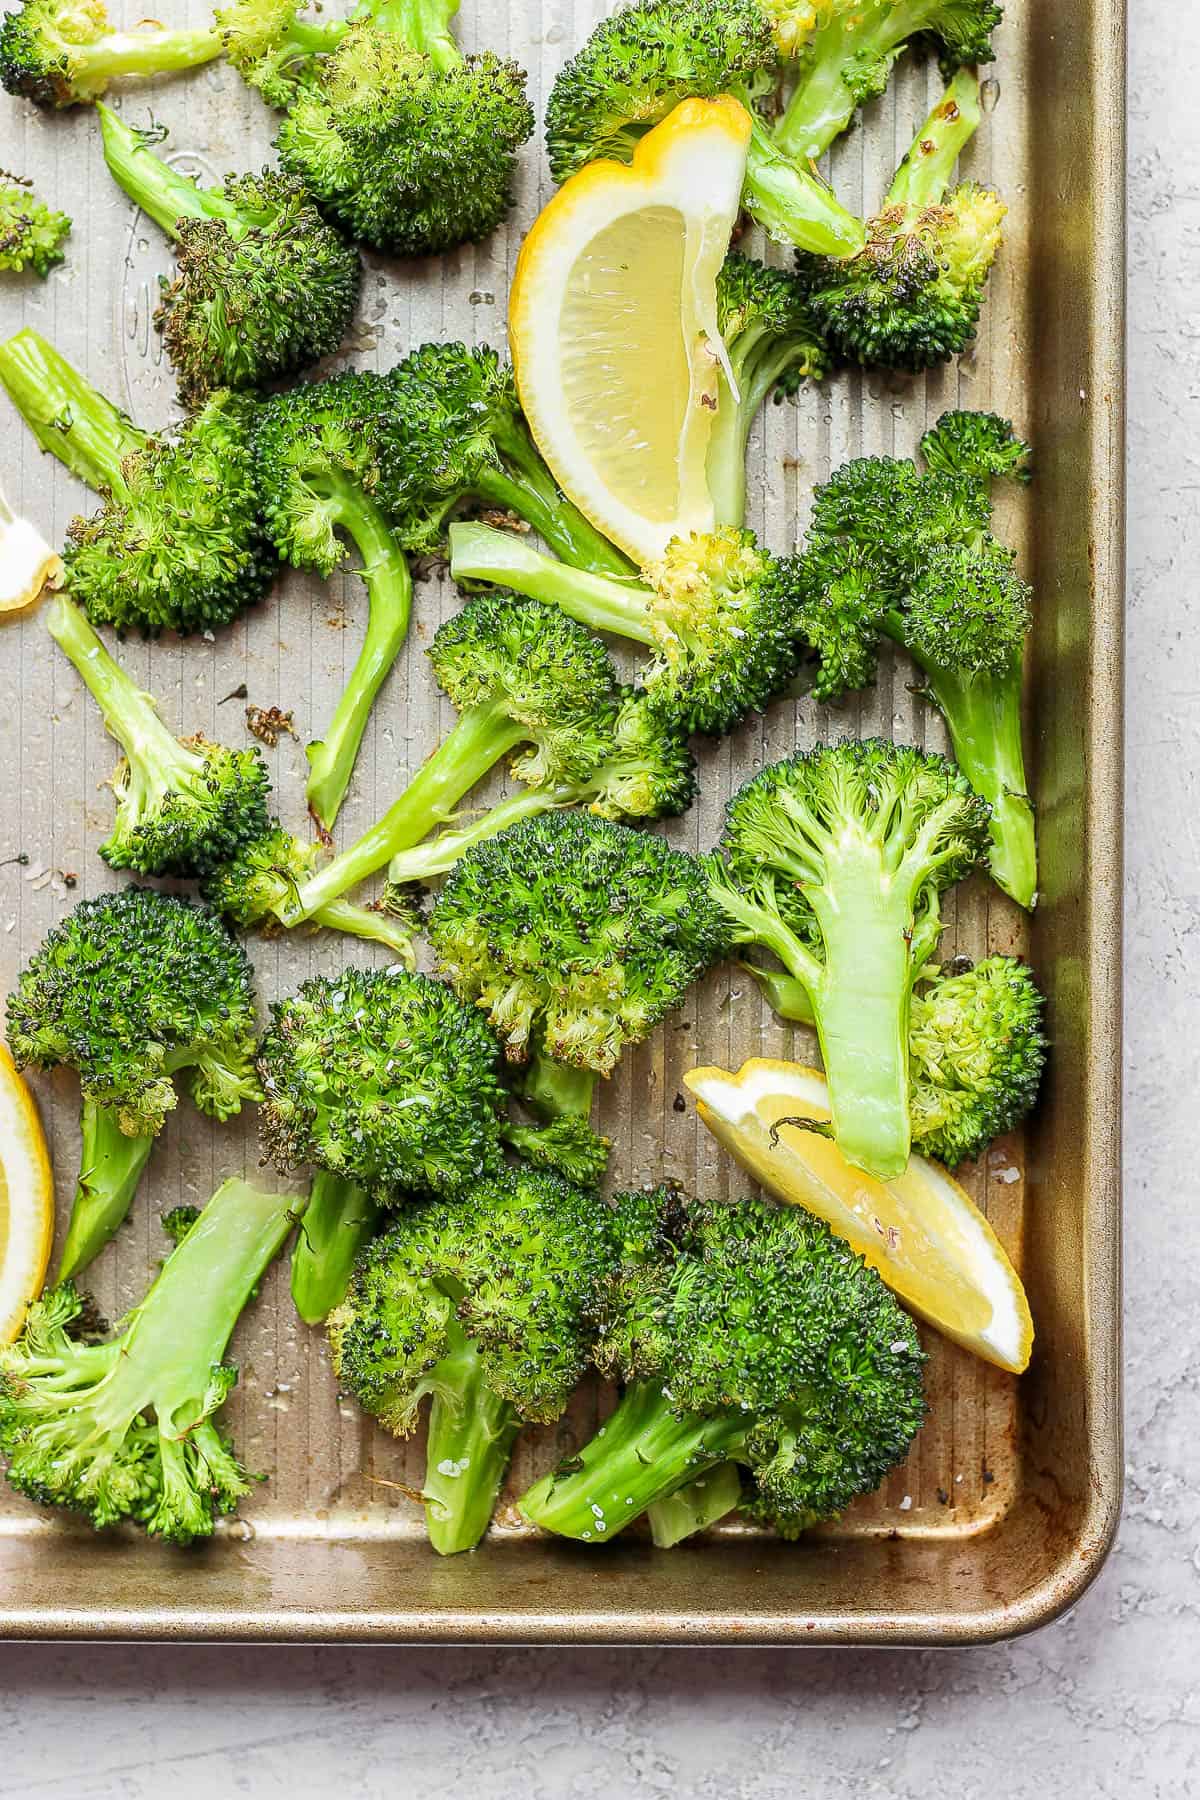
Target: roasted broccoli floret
{"x": 401, "y": 138}
{"x": 273, "y": 49}
{"x": 31, "y": 234}
{"x": 184, "y": 805}
{"x": 484, "y": 1304}
{"x": 263, "y": 286}
{"x": 264, "y": 873}
{"x": 912, "y": 296}
{"x": 744, "y": 1333}
{"x": 388, "y": 1083}
{"x": 523, "y": 678}
{"x": 318, "y": 470}
{"x": 835, "y": 862}
{"x": 894, "y": 553}
{"x": 773, "y": 345}
{"x": 845, "y": 56}
{"x": 65, "y": 52}
{"x": 126, "y": 1430}
{"x": 130, "y": 990}
{"x": 646, "y": 772}
{"x": 718, "y": 613}
{"x": 179, "y": 543}
{"x": 458, "y": 439}
{"x": 976, "y": 1050}
{"x": 640, "y": 64}
{"x": 576, "y": 936}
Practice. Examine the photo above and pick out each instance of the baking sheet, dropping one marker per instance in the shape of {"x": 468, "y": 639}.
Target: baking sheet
{"x": 1011, "y": 1492}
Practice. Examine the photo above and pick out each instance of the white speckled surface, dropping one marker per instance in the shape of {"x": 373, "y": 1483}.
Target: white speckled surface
{"x": 1106, "y": 1703}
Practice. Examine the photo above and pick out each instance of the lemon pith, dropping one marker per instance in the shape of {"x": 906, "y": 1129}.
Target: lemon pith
{"x": 922, "y": 1231}
{"x": 26, "y": 1201}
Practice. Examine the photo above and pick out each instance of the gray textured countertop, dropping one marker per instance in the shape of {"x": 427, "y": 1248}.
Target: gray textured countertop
{"x": 1104, "y": 1703}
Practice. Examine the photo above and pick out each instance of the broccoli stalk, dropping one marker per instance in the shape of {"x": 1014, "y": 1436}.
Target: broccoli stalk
{"x": 264, "y": 287}
{"x": 912, "y": 296}
{"x": 179, "y": 542}
{"x": 183, "y": 807}
{"x": 468, "y": 1443}
{"x": 717, "y": 611}
{"x": 703, "y": 1502}
{"x": 65, "y": 53}
{"x": 849, "y": 56}
{"x": 31, "y": 234}
{"x": 126, "y": 1429}
{"x": 110, "y": 1168}
{"x": 850, "y": 848}
{"x": 338, "y": 1221}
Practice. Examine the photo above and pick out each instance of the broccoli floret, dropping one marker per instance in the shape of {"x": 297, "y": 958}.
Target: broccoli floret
{"x": 459, "y": 438}
{"x": 130, "y": 990}
{"x": 485, "y": 1305}
{"x": 318, "y": 471}
{"x": 744, "y": 1333}
{"x": 773, "y": 345}
{"x": 126, "y": 1429}
{"x": 576, "y": 936}
{"x": 892, "y": 553}
{"x": 844, "y": 52}
{"x": 384, "y": 1077}
{"x": 640, "y": 64}
{"x": 646, "y": 772}
{"x": 273, "y": 49}
{"x": 405, "y": 141}
{"x": 717, "y": 611}
{"x": 263, "y": 286}
{"x": 31, "y": 234}
{"x": 912, "y": 295}
{"x": 28, "y": 566}
{"x": 836, "y": 861}
{"x": 265, "y": 873}
{"x": 976, "y": 1050}
{"x": 523, "y": 678}
{"x": 65, "y": 52}
{"x": 177, "y": 1221}
{"x": 184, "y": 806}
{"x": 179, "y": 543}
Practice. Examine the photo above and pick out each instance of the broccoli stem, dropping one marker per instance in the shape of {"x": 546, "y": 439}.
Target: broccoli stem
{"x": 928, "y": 169}
{"x": 467, "y": 1448}
{"x": 424, "y": 26}
{"x": 530, "y": 491}
{"x": 640, "y": 1456}
{"x": 368, "y": 923}
{"x": 558, "y": 1090}
{"x": 158, "y": 52}
{"x": 338, "y": 1220}
{"x": 703, "y": 1502}
{"x": 786, "y": 995}
{"x": 440, "y": 852}
{"x": 480, "y": 553}
{"x": 163, "y": 194}
{"x": 66, "y": 413}
{"x": 983, "y": 717}
{"x": 389, "y": 594}
{"x": 110, "y": 1167}
{"x": 158, "y": 762}
{"x": 823, "y": 103}
{"x": 792, "y": 205}
{"x": 483, "y": 735}
{"x": 758, "y": 360}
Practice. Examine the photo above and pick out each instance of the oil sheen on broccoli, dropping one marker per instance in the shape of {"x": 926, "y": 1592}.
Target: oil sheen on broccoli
{"x": 893, "y": 553}
{"x": 179, "y": 542}
{"x": 835, "y": 861}
{"x": 717, "y": 612}
{"x": 32, "y": 234}
{"x": 263, "y": 286}
{"x": 125, "y": 1429}
{"x": 130, "y": 990}
{"x": 745, "y": 1333}
{"x": 485, "y": 1304}
{"x": 185, "y": 806}
{"x": 405, "y": 142}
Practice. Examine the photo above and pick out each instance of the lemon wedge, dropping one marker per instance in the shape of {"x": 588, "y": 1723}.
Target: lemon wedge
{"x": 26, "y": 1201}
{"x": 613, "y": 326}
{"x": 922, "y": 1232}
{"x": 27, "y": 563}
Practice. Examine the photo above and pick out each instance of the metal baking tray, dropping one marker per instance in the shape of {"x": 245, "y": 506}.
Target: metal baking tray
{"x": 1009, "y": 1500}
